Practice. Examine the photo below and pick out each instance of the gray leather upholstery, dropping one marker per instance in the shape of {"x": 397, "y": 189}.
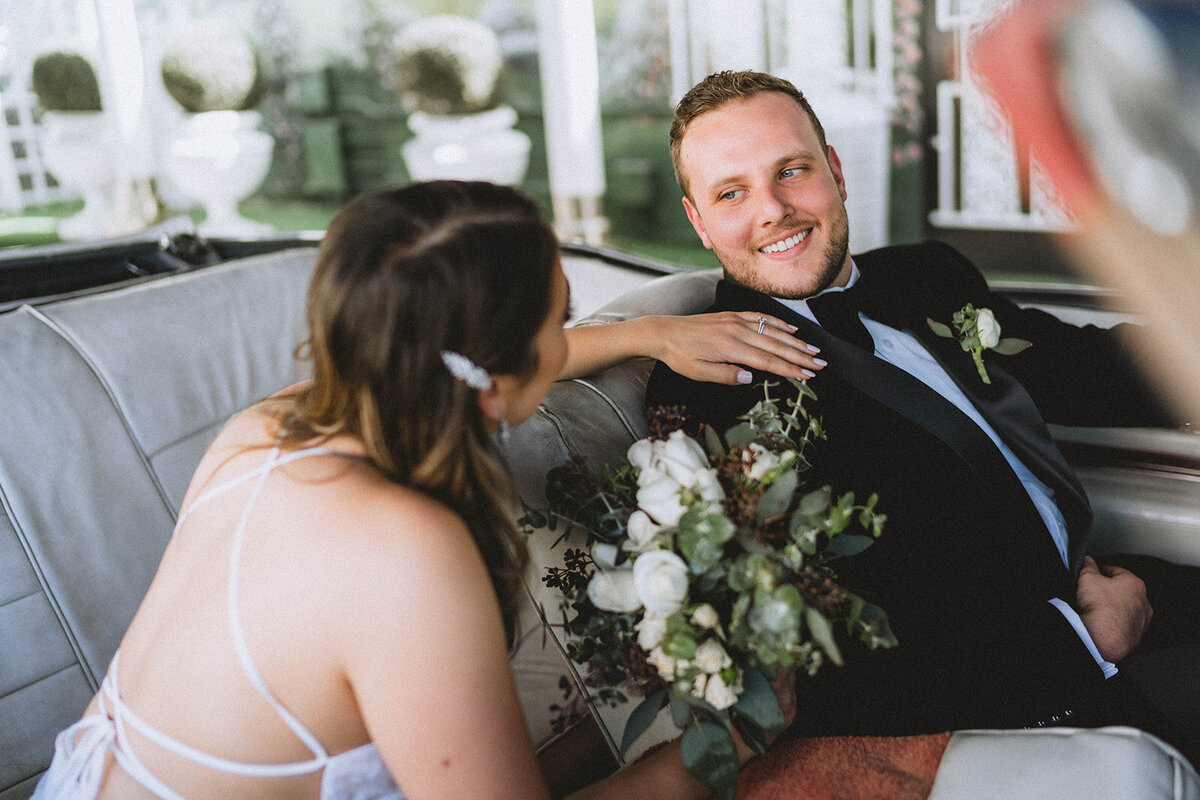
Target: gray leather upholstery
{"x": 109, "y": 401}
{"x": 1059, "y": 763}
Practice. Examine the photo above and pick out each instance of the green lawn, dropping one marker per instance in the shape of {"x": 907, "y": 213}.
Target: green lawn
{"x": 38, "y": 227}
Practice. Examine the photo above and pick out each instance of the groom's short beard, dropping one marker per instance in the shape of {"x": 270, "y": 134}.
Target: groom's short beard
{"x": 832, "y": 261}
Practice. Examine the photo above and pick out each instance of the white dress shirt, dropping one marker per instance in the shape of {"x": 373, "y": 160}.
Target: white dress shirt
{"x": 905, "y": 351}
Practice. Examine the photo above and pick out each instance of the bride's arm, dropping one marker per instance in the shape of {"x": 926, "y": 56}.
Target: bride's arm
{"x": 425, "y": 656}
{"x": 716, "y": 348}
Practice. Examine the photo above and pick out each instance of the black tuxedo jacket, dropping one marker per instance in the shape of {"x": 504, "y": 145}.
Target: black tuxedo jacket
{"x": 965, "y": 565}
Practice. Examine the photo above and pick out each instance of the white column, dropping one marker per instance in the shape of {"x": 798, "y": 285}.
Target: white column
{"x": 122, "y": 82}
{"x": 571, "y": 102}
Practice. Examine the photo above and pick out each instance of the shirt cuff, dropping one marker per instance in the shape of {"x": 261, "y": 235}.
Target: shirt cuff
{"x": 1072, "y": 617}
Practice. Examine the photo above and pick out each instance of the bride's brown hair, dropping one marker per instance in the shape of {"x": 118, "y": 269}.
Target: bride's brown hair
{"x": 402, "y": 275}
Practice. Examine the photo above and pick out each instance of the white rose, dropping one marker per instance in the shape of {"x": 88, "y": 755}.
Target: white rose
{"x": 661, "y": 581}
{"x": 641, "y": 531}
{"x": 988, "y": 328}
{"x": 711, "y": 657}
{"x": 659, "y": 497}
{"x": 604, "y": 556}
{"x": 698, "y": 684}
{"x": 681, "y": 456}
{"x": 705, "y": 616}
{"x": 641, "y": 454}
{"x": 708, "y": 486}
{"x": 614, "y": 591}
{"x": 757, "y": 461}
{"x": 651, "y": 630}
{"x": 664, "y": 664}
{"x": 719, "y": 695}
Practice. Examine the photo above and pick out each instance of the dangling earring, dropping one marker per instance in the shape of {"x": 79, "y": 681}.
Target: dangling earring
{"x": 505, "y": 433}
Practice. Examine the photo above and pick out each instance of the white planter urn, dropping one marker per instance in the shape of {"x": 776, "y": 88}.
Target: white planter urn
{"x": 218, "y": 158}
{"x": 78, "y": 148}
{"x": 467, "y": 147}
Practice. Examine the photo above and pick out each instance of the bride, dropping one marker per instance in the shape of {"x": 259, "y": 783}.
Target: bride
{"x": 333, "y": 614}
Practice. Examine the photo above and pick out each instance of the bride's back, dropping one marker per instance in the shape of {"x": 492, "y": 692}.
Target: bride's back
{"x": 179, "y": 669}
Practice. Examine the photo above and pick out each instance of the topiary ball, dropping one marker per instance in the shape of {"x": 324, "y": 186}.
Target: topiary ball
{"x": 210, "y": 66}
{"x": 65, "y": 81}
{"x": 447, "y": 64}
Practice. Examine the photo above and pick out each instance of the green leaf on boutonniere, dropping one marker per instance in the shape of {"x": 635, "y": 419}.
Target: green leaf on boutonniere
{"x": 976, "y": 330}
{"x": 1011, "y": 346}
{"x": 940, "y": 329}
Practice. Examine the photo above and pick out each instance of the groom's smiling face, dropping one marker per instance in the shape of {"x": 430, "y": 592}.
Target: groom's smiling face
{"x": 766, "y": 197}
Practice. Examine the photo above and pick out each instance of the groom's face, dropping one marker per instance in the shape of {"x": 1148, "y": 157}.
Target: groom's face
{"x": 766, "y": 197}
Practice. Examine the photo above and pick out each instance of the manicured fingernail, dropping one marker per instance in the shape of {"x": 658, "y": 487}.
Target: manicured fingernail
{"x": 812, "y": 348}
{"x": 791, "y": 328}
{"x": 744, "y": 377}
{"x": 808, "y": 373}
{"x": 820, "y": 362}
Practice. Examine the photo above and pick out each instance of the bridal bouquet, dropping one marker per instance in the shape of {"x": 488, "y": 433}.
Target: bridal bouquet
{"x": 707, "y": 570}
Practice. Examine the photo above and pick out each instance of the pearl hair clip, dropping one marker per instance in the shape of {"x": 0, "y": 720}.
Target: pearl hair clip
{"x": 466, "y": 370}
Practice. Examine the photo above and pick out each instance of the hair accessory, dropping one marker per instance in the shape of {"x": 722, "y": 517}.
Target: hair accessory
{"x": 466, "y": 370}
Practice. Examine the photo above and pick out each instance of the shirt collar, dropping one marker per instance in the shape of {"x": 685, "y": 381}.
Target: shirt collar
{"x": 801, "y": 306}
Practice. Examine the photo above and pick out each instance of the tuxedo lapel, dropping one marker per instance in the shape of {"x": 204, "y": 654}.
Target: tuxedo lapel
{"x": 1004, "y": 404}
{"x": 1012, "y": 413}
{"x": 888, "y": 385}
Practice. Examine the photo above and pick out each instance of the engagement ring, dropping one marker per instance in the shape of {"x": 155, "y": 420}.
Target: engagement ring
{"x": 762, "y": 323}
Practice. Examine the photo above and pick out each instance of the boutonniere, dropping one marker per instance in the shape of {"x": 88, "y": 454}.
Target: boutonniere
{"x": 976, "y": 330}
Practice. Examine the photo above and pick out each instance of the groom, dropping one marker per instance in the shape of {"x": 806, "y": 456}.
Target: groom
{"x": 1001, "y": 619}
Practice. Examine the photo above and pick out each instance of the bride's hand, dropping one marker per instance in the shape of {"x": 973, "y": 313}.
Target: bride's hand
{"x": 719, "y": 347}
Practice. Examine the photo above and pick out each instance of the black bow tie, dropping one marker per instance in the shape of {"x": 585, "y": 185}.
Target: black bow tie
{"x": 837, "y": 312}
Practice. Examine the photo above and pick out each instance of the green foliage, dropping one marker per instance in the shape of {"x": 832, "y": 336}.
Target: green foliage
{"x": 65, "y": 81}
{"x": 210, "y": 66}
{"x": 710, "y": 755}
{"x": 761, "y": 591}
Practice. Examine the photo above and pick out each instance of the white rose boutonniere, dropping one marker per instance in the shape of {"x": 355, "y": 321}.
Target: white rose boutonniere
{"x": 976, "y": 330}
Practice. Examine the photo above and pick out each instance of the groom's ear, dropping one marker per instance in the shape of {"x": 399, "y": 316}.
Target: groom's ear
{"x": 698, "y": 224}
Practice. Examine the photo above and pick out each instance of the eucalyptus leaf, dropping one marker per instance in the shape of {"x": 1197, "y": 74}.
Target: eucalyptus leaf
{"x": 712, "y": 441}
{"x": 758, "y": 702}
{"x": 778, "y": 496}
{"x": 815, "y": 502}
{"x": 752, "y": 735}
{"x": 803, "y": 388}
{"x": 740, "y": 435}
{"x": 710, "y": 756}
{"x": 822, "y": 633}
{"x": 848, "y": 544}
{"x": 641, "y": 718}
{"x": 681, "y": 712}
{"x": 874, "y": 628}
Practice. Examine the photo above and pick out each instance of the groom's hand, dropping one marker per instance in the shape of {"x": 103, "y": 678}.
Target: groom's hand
{"x": 1113, "y": 606}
